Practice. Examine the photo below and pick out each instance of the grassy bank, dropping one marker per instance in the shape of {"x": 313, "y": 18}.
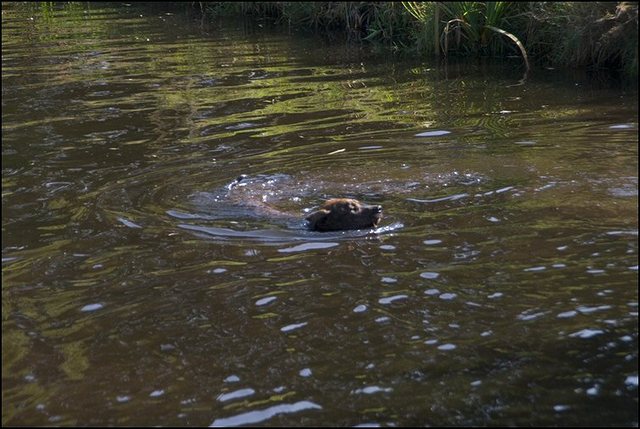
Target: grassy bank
{"x": 559, "y": 34}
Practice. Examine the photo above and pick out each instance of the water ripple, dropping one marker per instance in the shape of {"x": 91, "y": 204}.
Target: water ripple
{"x": 257, "y": 416}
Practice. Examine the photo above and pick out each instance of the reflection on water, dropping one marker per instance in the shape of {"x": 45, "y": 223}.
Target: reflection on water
{"x": 499, "y": 289}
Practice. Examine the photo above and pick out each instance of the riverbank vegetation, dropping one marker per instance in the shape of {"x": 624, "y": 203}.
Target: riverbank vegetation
{"x": 552, "y": 34}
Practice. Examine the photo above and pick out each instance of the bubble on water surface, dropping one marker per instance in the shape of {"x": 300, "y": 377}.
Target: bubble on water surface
{"x": 307, "y": 246}
{"x": 390, "y": 299}
{"x": 586, "y": 310}
{"x": 266, "y": 300}
{"x": 92, "y": 307}
{"x": 128, "y": 223}
{"x": 632, "y": 232}
{"x": 241, "y": 126}
{"x": 567, "y": 314}
{"x": 292, "y": 327}
{"x": 257, "y": 416}
{"x": 240, "y": 393}
{"x": 306, "y": 372}
{"x": 593, "y": 391}
{"x": 429, "y": 275}
{"x": 432, "y": 242}
{"x": 447, "y": 346}
{"x": 622, "y": 126}
{"x": 372, "y": 389}
{"x": 631, "y": 380}
{"x": 527, "y": 315}
{"x": 439, "y": 200}
{"x": 435, "y": 133}
{"x": 586, "y": 333}
{"x": 232, "y": 379}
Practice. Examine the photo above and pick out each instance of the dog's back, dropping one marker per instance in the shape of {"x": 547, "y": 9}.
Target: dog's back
{"x": 336, "y": 214}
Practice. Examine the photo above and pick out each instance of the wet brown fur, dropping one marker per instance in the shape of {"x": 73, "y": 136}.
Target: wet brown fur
{"x": 339, "y": 214}
{"x": 336, "y": 214}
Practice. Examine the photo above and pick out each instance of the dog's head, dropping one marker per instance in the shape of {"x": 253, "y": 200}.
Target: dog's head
{"x": 344, "y": 213}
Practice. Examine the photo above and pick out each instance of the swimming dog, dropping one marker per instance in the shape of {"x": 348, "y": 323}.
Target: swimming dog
{"x": 336, "y": 214}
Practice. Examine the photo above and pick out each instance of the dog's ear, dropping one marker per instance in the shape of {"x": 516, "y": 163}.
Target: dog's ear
{"x": 317, "y": 219}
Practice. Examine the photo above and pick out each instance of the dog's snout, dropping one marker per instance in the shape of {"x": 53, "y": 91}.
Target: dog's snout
{"x": 377, "y": 209}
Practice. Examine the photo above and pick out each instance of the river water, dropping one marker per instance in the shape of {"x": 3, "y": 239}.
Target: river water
{"x": 139, "y": 288}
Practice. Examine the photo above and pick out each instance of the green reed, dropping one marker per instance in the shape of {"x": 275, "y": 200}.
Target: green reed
{"x": 595, "y": 34}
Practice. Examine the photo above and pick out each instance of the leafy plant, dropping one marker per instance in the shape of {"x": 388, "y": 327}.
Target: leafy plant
{"x": 473, "y": 25}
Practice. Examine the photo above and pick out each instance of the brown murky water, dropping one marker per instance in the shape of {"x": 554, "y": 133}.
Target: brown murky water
{"x": 137, "y": 289}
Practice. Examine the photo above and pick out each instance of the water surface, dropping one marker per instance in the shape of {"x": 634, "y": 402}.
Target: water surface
{"x": 138, "y": 289}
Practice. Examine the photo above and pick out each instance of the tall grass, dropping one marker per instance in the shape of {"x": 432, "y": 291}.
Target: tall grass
{"x": 595, "y": 34}
{"x": 474, "y": 26}
{"x": 371, "y": 21}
